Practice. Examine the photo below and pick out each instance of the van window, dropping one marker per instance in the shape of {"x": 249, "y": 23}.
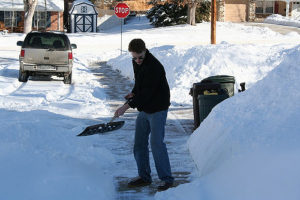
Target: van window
{"x": 47, "y": 41}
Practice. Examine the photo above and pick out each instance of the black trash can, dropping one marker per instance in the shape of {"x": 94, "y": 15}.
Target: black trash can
{"x": 226, "y": 83}
{"x": 208, "y": 93}
{"x": 207, "y": 103}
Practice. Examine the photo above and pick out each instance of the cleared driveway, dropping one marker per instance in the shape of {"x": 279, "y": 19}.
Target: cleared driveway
{"x": 274, "y": 27}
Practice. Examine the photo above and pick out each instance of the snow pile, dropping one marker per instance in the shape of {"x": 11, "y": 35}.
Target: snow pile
{"x": 187, "y": 66}
{"x": 248, "y": 147}
{"x": 282, "y": 20}
{"x": 41, "y": 159}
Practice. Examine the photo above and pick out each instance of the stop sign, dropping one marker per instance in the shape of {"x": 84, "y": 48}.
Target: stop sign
{"x": 122, "y": 10}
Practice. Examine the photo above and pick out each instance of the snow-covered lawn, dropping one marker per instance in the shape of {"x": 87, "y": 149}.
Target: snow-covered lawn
{"x": 247, "y": 142}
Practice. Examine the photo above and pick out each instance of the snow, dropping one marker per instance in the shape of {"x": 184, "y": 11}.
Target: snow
{"x": 247, "y": 148}
{"x": 282, "y": 20}
{"x": 78, "y": 2}
{"x": 18, "y": 5}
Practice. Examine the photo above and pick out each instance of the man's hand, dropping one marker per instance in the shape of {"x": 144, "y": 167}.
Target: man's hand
{"x": 128, "y": 96}
{"x": 120, "y": 111}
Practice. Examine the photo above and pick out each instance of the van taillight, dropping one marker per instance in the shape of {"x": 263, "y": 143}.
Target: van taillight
{"x": 22, "y": 54}
{"x": 70, "y": 55}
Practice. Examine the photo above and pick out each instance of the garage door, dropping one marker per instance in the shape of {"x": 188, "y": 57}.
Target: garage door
{"x": 235, "y": 12}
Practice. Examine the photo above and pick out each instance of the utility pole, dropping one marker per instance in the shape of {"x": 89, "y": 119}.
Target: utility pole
{"x": 213, "y": 21}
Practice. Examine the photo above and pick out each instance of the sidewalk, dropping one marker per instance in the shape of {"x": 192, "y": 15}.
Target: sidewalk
{"x": 120, "y": 143}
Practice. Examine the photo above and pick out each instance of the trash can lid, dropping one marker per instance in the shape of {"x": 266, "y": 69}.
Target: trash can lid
{"x": 219, "y": 79}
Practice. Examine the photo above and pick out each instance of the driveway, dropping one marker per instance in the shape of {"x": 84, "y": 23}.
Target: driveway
{"x": 277, "y": 28}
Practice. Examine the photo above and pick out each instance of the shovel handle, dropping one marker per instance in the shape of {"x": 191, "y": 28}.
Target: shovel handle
{"x": 112, "y": 119}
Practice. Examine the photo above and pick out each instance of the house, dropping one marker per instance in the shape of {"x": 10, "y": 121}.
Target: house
{"x": 254, "y": 10}
{"x": 238, "y": 10}
{"x": 48, "y": 15}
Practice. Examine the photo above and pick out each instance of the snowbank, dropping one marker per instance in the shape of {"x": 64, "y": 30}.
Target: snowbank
{"x": 41, "y": 159}
{"x": 282, "y": 20}
{"x": 187, "y": 66}
{"x": 248, "y": 147}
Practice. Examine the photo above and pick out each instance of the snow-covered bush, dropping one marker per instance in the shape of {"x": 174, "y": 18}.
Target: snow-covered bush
{"x": 167, "y": 14}
{"x": 203, "y": 12}
{"x": 170, "y": 14}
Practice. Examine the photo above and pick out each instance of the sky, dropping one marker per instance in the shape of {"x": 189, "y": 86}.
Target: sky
{"x": 250, "y": 139}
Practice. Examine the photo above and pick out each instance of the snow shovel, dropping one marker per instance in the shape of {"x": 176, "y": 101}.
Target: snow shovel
{"x": 102, "y": 128}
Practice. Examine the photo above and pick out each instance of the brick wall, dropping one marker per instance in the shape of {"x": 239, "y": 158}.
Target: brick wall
{"x": 138, "y": 5}
{"x": 55, "y": 24}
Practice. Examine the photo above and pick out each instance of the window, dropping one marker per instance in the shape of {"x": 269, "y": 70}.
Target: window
{"x": 259, "y": 7}
{"x": 41, "y": 19}
{"x": 264, "y": 7}
{"x": 83, "y": 9}
{"x": 1, "y": 16}
{"x": 269, "y": 7}
{"x": 12, "y": 18}
{"x": 46, "y": 41}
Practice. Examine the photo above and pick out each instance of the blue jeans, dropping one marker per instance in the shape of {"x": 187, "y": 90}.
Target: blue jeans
{"x": 154, "y": 123}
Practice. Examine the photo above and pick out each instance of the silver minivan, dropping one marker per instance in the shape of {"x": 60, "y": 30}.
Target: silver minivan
{"x": 46, "y": 53}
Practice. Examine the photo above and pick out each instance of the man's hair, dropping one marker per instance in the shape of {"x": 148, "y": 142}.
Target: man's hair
{"x": 137, "y": 46}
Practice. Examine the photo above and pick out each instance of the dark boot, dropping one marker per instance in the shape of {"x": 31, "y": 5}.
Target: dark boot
{"x": 138, "y": 182}
{"x": 164, "y": 186}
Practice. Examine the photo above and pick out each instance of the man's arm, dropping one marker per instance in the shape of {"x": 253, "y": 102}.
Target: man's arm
{"x": 121, "y": 110}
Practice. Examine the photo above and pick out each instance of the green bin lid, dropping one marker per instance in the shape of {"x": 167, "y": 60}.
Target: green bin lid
{"x": 219, "y": 79}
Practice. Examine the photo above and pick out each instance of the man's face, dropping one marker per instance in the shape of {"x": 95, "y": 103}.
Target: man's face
{"x": 138, "y": 57}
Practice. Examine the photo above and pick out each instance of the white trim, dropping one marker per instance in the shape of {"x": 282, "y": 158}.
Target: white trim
{"x": 58, "y": 21}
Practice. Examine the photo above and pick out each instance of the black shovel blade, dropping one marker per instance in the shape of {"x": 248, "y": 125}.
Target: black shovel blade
{"x": 101, "y": 128}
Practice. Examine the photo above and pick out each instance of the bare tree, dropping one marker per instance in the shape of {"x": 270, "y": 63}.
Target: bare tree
{"x": 191, "y": 13}
{"x": 45, "y": 3}
{"x": 29, "y": 8}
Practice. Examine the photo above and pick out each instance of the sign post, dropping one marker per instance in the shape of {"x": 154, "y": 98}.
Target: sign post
{"x": 122, "y": 11}
{"x": 213, "y": 21}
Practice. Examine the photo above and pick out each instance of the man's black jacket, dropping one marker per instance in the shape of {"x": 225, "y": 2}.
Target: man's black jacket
{"x": 151, "y": 89}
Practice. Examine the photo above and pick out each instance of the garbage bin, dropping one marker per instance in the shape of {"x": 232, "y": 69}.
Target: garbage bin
{"x": 208, "y": 93}
{"x": 196, "y": 90}
{"x": 226, "y": 82}
{"x": 207, "y": 103}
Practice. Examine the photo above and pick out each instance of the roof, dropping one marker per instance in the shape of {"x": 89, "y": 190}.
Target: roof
{"x": 18, "y": 5}
{"x": 79, "y": 2}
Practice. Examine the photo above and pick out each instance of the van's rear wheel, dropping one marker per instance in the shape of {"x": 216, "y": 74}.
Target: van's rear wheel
{"x": 68, "y": 79}
{"x": 23, "y": 76}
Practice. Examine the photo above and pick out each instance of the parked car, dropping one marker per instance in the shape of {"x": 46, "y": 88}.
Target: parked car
{"x": 46, "y": 53}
